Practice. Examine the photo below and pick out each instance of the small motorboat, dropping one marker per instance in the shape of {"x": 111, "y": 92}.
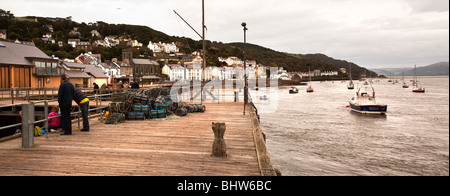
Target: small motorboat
{"x": 309, "y": 89}
{"x": 293, "y": 90}
{"x": 405, "y": 85}
{"x": 418, "y": 89}
{"x": 263, "y": 98}
{"x": 351, "y": 86}
{"x": 365, "y": 102}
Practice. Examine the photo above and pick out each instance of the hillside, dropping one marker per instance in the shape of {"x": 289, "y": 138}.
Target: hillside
{"x": 32, "y": 29}
{"x": 437, "y": 69}
{"x": 356, "y": 70}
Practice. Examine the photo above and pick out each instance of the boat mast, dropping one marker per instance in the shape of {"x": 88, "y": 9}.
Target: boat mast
{"x": 204, "y": 45}
{"x": 351, "y": 79}
{"x": 204, "y": 50}
{"x": 309, "y": 73}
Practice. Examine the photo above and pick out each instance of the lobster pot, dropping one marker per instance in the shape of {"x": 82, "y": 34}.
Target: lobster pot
{"x": 145, "y": 108}
{"x": 118, "y": 97}
{"x": 137, "y": 100}
{"x": 161, "y": 106}
{"x": 144, "y": 100}
{"x": 137, "y": 108}
{"x": 181, "y": 112}
{"x": 200, "y": 108}
{"x": 189, "y": 108}
{"x": 136, "y": 116}
{"x": 162, "y": 114}
{"x": 153, "y": 113}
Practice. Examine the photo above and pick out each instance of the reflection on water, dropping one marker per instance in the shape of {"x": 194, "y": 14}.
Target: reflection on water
{"x": 316, "y": 134}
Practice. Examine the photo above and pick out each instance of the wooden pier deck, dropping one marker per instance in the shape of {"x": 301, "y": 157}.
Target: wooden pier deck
{"x": 173, "y": 147}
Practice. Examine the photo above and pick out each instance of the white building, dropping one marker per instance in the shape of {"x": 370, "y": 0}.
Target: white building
{"x": 163, "y": 47}
{"x": 73, "y": 42}
{"x": 329, "y": 73}
{"x": 112, "y": 41}
{"x": 231, "y": 60}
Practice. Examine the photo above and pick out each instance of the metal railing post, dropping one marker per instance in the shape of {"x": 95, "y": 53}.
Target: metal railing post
{"x": 46, "y": 119}
{"x": 28, "y": 125}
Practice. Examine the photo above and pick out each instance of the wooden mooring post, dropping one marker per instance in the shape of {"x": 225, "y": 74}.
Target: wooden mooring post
{"x": 28, "y": 125}
{"x": 219, "y": 148}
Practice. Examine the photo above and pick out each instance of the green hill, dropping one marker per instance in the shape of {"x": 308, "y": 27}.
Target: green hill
{"x": 437, "y": 69}
{"x": 32, "y": 28}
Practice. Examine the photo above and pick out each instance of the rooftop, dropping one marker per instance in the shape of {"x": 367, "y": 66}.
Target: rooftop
{"x": 19, "y": 54}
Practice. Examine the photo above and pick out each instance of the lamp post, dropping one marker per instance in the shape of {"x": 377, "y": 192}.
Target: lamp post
{"x": 245, "y": 66}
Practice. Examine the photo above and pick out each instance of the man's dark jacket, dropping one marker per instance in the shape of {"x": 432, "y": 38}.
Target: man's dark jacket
{"x": 79, "y": 96}
{"x": 65, "y": 94}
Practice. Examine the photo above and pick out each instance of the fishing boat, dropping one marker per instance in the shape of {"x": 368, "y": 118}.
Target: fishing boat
{"x": 416, "y": 87}
{"x": 309, "y": 89}
{"x": 293, "y": 90}
{"x": 365, "y": 101}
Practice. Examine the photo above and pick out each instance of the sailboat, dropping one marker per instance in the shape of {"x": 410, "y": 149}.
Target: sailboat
{"x": 404, "y": 83}
{"x": 417, "y": 88}
{"x": 351, "y": 86}
{"x": 309, "y": 89}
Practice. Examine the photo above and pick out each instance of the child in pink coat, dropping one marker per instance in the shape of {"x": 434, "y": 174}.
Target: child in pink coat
{"x": 55, "y": 123}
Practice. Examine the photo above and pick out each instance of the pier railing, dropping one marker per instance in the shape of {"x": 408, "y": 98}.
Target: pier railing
{"x": 28, "y": 116}
{"x": 38, "y": 94}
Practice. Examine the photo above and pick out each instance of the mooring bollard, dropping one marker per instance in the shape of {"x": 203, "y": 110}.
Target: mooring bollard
{"x": 219, "y": 148}
{"x": 27, "y": 125}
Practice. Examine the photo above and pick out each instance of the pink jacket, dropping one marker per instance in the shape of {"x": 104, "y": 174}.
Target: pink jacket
{"x": 54, "y": 122}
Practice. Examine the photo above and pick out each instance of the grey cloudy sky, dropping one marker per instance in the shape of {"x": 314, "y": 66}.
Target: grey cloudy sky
{"x": 371, "y": 33}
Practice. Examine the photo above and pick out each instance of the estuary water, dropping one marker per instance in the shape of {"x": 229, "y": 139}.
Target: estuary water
{"x": 317, "y": 135}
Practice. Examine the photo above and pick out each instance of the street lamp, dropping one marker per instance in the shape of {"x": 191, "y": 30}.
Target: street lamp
{"x": 245, "y": 66}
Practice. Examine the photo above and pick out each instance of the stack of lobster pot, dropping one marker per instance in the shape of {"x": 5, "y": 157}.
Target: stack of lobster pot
{"x": 191, "y": 108}
{"x": 140, "y": 112}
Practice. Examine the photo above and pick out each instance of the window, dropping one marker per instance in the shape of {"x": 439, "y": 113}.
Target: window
{"x": 48, "y": 68}
{"x": 40, "y": 68}
{"x": 54, "y": 69}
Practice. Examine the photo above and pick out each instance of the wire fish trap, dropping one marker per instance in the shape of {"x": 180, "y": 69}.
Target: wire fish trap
{"x": 115, "y": 118}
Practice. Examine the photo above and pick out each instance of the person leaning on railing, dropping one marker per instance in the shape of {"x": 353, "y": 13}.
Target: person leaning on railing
{"x": 82, "y": 100}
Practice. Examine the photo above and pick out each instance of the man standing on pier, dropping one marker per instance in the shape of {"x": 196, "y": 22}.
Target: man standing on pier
{"x": 65, "y": 98}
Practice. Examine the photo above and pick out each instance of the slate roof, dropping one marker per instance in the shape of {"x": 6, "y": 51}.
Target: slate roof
{"x": 92, "y": 70}
{"x": 19, "y": 54}
{"x": 144, "y": 62}
{"x": 77, "y": 74}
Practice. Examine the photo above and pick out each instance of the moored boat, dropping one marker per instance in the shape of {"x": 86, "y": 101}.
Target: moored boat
{"x": 293, "y": 90}
{"x": 263, "y": 98}
{"x": 309, "y": 89}
{"x": 416, "y": 87}
{"x": 365, "y": 102}
{"x": 351, "y": 86}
